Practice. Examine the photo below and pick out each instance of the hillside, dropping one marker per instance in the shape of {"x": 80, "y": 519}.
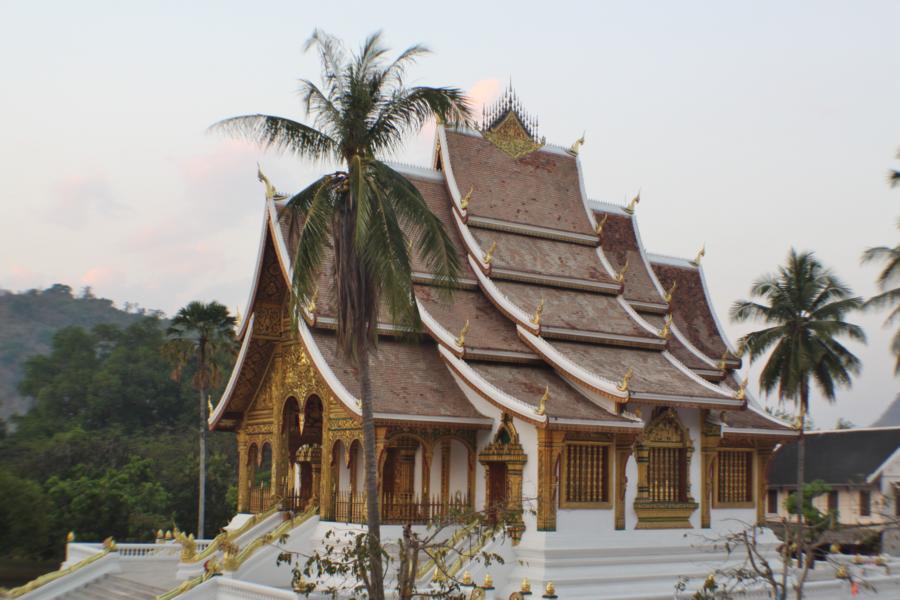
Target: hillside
{"x": 28, "y": 321}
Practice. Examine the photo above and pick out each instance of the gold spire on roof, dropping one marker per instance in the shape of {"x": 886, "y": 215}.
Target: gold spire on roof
{"x": 598, "y": 229}
{"x": 634, "y": 202}
{"x": 668, "y": 295}
{"x": 574, "y": 148}
{"x": 509, "y": 128}
{"x": 536, "y": 318}
{"x": 700, "y": 255}
{"x": 542, "y": 403}
{"x": 489, "y": 255}
{"x": 666, "y": 330}
{"x": 464, "y": 203}
{"x": 461, "y": 338}
{"x": 623, "y": 385}
{"x": 271, "y": 192}
{"x": 620, "y": 276}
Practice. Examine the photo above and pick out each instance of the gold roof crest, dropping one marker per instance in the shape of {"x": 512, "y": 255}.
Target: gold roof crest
{"x": 508, "y": 127}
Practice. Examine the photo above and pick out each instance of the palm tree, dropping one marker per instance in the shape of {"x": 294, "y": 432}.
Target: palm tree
{"x": 370, "y": 215}
{"x": 889, "y": 286}
{"x": 202, "y": 334}
{"x": 803, "y": 306}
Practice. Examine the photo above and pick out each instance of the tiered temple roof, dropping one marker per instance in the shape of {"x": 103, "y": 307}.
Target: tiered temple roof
{"x": 561, "y": 317}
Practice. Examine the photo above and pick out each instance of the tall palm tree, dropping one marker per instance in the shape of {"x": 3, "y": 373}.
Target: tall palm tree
{"x": 201, "y": 334}
{"x": 804, "y": 306}
{"x": 370, "y": 215}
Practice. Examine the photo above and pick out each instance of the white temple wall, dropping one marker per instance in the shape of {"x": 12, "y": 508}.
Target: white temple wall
{"x": 690, "y": 418}
{"x": 528, "y": 439}
{"x": 343, "y": 470}
{"x": 571, "y": 521}
{"x": 459, "y": 469}
{"x": 434, "y": 478}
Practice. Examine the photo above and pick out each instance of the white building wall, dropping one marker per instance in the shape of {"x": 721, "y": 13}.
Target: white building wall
{"x": 459, "y": 469}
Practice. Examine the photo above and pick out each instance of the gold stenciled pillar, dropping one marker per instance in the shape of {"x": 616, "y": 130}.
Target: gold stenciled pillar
{"x": 762, "y": 463}
{"x": 549, "y": 448}
{"x": 243, "y": 500}
{"x": 623, "y": 452}
{"x": 710, "y": 436}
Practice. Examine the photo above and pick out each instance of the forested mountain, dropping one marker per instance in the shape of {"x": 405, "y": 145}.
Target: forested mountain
{"x": 28, "y": 321}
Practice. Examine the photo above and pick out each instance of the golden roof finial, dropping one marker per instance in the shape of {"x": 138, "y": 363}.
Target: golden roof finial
{"x": 209, "y": 405}
{"x": 666, "y": 330}
{"x": 466, "y": 578}
{"x": 598, "y": 229}
{"x": 623, "y": 385}
{"x": 668, "y": 296}
{"x": 700, "y": 255}
{"x": 742, "y": 391}
{"x": 538, "y": 312}
{"x": 634, "y": 202}
{"x": 542, "y": 403}
{"x": 464, "y": 203}
{"x": 271, "y": 192}
{"x": 311, "y": 303}
{"x": 574, "y": 148}
{"x": 620, "y": 276}
{"x": 488, "y": 581}
{"x": 461, "y": 339}
{"x": 489, "y": 255}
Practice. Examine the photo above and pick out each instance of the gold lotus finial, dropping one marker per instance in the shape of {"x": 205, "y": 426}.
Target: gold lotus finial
{"x": 699, "y": 256}
{"x": 110, "y": 544}
{"x": 489, "y": 255}
{"x": 742, "y": 391}
{"x": 574, "y": 148}
{"x": 542, "y": 403}
{"x": 488, "y": 581}
{"x": 464, "y": 203}
{"x": 525, "y": 586}
{"x": 466, "y": 578}
{"x": 666, "y": 330}
{"x": 634, "y": 202}
{"x": 461, "y": 338}
{"x": 209, "y": 406}
{"x": 549, "y": 590}
{"x": 168, "y": 535}
{"x": 70, "y": 537}
{"x": 671, "y": 291}
{"x": 311, "y": 303}
{"x": 538, "y": 312}
{"x": 598, "y": 229}
{"x": 620, "y": 276}
{"x": 159, "y": 534}
{"x": 271, "y": 192}
{"x": 623, "y": 385}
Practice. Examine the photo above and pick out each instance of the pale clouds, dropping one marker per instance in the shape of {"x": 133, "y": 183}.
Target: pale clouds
{"x": 77, "y": 199}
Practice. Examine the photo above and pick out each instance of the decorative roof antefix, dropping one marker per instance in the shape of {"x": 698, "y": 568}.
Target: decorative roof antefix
{"x": 506, "y": 125}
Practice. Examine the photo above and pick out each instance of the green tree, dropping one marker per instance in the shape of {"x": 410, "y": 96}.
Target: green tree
{"x": 23, "y": 522}
{"x": 804, "y": 306}
{"x": 888, "y": 282}
{"x": 201, "y": 333}
{"x": 366, "y": 212}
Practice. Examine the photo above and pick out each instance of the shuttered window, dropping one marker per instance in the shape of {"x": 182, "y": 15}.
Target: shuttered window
{"x": 585, "y": 475}
{"x": 667, "y": 474}
{"x": 735, "y": 477}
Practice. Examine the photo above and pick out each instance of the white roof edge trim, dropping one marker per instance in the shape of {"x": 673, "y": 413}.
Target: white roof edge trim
{"x": 606, "y": 206}
{"x": 217, "y": 413}
{"x": 712, "y": 310}
{"x": 636, "y": 317}
{"x": 434, "y": 327}
{"x": 693, "y": 349}
{"x": 331, "y": 380}
{"x": 420, "y": 171}
{"x": 852, "y": 429}
{"x": 591, "y": 218}
{"x": 432, "y": 419}
{"x": 693, "y": 376}
{"x": 757, "y": 431}
{"x": 619, "y": 424}
{"x": 675, "y": 261}
{"x": 474, "y": 379}
{"x": 574, "y": 369}
{"x": 448, "y": 168}
{"x": 257, "y": 271}
{"x": 494, "y": 293}
{"x": 877, "y": 472}
{"x": 643, "y": 252}
{"x": 473, "y": 249}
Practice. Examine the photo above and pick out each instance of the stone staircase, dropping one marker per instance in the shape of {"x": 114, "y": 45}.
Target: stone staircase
{"x": 113, "y": 587}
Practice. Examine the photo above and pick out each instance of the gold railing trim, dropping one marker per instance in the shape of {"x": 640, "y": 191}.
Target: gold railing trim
{"x": 54, "y": 575}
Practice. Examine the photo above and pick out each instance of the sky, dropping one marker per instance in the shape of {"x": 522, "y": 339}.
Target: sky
{"x": 749, "y": 127}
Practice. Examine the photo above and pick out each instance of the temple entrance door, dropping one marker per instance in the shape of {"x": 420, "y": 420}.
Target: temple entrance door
{"x": 498, "y": 486}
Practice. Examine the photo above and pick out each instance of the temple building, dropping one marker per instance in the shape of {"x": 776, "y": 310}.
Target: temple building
{"x": 572, "y": 369}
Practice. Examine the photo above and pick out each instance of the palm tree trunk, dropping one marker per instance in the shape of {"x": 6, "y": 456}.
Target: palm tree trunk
{"x": 801, "y": 466}
{"x": 373, "y": 518}
{"x": 201, "y": 502}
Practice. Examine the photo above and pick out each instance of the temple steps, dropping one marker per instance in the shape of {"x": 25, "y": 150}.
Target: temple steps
{"x": 112, "y": 587}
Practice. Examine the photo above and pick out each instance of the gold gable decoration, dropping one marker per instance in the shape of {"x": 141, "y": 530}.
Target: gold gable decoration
{"x": 506, "y": 126}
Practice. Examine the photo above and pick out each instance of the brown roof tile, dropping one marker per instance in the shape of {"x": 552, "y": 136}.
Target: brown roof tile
{"x": 541, "y": 188}
{"x": 678, "y": 350}
{"x": 407, "y": 378}
{"x": 619, "y": 242}
{"x": 749, "y": 419}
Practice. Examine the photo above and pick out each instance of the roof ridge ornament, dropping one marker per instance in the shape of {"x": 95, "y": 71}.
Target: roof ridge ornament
{"x": 598, "y": 228}
{"x": 576, "y": 147}
{"x": 464, "y": 203}
{"x": 700, "y": 255}
{"x": 461, "y": 339}
{"x": 489, "y": 255}
{"x": 539, "y": 311}
{"x": 620, "y": 276}
{"x": 542, "y": 403}
{"x": 506, "y": 125}
{"x": 741, "y": 394}
{"x": 626, "y": 379}
{"x": 271, "y": 192}
{"x": 671, "y": 291}
{"x": 666, "y": 331}
{"x": 634, "y": 202}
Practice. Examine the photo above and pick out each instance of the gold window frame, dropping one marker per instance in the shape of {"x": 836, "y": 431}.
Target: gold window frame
{"x": 606, "y": 474}
{"x": 717, "y": 503}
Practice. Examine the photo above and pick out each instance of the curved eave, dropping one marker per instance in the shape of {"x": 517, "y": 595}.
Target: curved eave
{"x": 257, "y": 273}
{"x": 490, "y": 392}
{"x": 217, "y": 413}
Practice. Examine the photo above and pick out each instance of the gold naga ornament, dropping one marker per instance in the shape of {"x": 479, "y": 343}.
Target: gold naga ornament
{"x": 538, "y": 312}
{"x": 666, "y": 331}
{"x": 542, "y": 403}
{"x": 461, "y": 338}
{"x": 576, "y": 147}
{"x": 620, "y": 276}
{"x": 489, "y": 255}
{"x": 623, "y": 385}
{"x": 271, "y": 192}
{"x": 633, "y": 204}
{"x": 700, "y": 255}
{"x": 464, "y": 203}
{"x": 742, "y": 391}
{"x": 598, "y": 228}
{"x": 668, "y": 295}
{"x": 311, "y": 303}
